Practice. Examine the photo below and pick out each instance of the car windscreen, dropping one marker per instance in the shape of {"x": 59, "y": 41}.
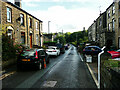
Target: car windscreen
{"x": 28, "y": 53}
{"x": 51, "y": 48}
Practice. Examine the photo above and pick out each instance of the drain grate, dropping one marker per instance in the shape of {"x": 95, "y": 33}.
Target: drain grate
{"x": 49, "y": 83}
{"x": 70, "y": 54}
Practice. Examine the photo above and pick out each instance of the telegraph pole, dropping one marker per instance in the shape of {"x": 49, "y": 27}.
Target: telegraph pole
{"x": 100, "y": 9}
{"x": 48, "y": 27}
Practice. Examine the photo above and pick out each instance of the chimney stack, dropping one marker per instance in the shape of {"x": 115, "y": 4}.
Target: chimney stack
{"x": 17, "y": 3}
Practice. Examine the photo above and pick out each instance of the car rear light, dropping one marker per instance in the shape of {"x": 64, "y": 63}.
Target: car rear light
{"x": 27, "y": 50}
{"x": 46, "y": 50}
{"x": 54, "y": 50}
{"x": 36, "y": 55}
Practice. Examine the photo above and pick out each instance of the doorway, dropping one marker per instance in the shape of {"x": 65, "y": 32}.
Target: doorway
{"x": 30, "y": 40}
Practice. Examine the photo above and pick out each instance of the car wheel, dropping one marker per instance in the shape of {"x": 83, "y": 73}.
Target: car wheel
{"x": 19, "y": 67}
{"x": 39, "y": 66}
{"x": 42, "y": 65}
{"x": 56, "y": 55}
{"x": 48, "y": 61}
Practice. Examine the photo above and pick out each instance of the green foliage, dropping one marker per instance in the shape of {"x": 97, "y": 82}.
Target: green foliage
{"x": 76, "y": 37}
{"x": 50, "y": 43}
{"x": 80, "y": 49}
{"x": 61, "y": 39}
{"x": 9, "y": 48}
{"x": 44, "y": 47}
{"x": 112, "y": 63}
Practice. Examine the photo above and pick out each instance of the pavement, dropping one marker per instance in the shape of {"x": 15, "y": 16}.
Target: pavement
{"x": 93, "y": 68}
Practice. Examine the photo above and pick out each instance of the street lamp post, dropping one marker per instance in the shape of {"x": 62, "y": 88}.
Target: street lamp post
{"x": 48, "y": 27}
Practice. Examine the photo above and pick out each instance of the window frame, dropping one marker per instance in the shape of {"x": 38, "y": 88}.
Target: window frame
{"x": 109, "y": 26}
{"x": 22, "y": 18}
{"x": 22, "y": 36}
{"x": 113, "y": 9}
{"x": 10, "y": 34}
{"x": 30, "y": 22}
{"x": 113, "y": 24}
{"x": 37, "y": 26}
{"x": 109, "y": 13}
{"x": 37, "y": 39}
{"x": 9, "y": 18}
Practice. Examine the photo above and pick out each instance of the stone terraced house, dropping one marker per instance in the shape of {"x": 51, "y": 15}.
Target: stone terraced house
{"x": 20, "y": 25}
{"x": 108, "y": 26}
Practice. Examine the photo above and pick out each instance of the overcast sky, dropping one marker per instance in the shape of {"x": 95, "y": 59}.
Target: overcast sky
{"x": 66, "y": 15}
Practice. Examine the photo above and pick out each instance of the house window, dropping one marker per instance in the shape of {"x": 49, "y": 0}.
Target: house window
{"x": 36, "y": 25}
{"x": 9, "y": 32}
{"x": 109, "y": 27}
{"x": 37, "y": 41}
{"x": 30, "y": 22}
{"x": 22, "y": 19}
{"x": 119, "y": 21}
{"x": 9, "y": 14}
{"x": 113, "y": 24}
{"x": 109, "y": 14}
{"x": 23, "y": 37}
{"x": 113, "y": 9}
{"x": 40, "y": 27}
{"x": 100, "y": 22}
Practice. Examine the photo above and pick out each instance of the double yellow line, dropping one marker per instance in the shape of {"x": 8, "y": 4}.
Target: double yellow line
{"x": 6, "y": 75}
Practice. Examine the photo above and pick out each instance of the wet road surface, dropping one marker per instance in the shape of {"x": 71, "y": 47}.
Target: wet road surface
{"x": 70, "y": 72}
{"x": 64, "y": 71}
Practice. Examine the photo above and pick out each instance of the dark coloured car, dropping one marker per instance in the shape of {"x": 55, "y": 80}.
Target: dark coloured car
{"x": 61, "y": 47}
{"x": 33, "y": 57}
{"x": 66, "y": 47}
{"x": 92, "y": 50}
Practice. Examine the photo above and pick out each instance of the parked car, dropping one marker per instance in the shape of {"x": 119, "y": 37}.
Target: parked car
{"x": 92, "y": 50}
{"x": 61, "y": 47}
{"x": 33, "y": 57}
{"x": 114, "y": 54}
{"x": 53, "y": 51}
{"x": 66, "y": 47}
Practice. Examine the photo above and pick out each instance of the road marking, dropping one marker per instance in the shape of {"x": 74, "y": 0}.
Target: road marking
{"x": 96, "y": 82}
{"x": 80, "y": 57}
{"x": 34, "y": 78}
{"x": 6, "y": 75}
{"x": 49, "y": 83}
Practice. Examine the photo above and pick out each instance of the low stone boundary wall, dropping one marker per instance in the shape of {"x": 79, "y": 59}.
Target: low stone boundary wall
{"x": 8, "y": 63}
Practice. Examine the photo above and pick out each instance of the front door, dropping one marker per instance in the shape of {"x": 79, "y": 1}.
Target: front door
{"x": 30, "y": 40}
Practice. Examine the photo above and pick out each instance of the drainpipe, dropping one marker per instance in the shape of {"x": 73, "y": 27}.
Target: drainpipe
{"x": 27, "y": 27}
{"x": 33, "y": 28}
{"x": 99, "y": 65}
{"x": 39, "y": 34}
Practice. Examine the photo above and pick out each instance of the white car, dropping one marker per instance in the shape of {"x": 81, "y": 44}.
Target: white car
{"x": 53, "y": 51}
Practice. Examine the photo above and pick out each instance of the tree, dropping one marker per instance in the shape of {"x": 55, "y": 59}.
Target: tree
{"x": 76, "y": 37}
{"x": 61, "y": 39}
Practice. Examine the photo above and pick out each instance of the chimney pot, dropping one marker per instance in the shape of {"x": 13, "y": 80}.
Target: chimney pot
{"x": 18, "y": 3}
